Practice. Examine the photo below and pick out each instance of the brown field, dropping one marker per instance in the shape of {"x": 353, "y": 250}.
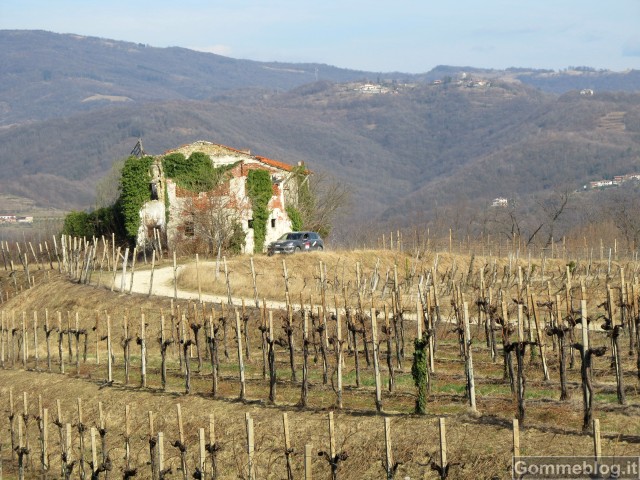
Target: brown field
{"x": 479, "y": 444}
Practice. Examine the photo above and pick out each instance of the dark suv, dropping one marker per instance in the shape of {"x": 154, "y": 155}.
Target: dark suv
{"x": 293, "y": 242}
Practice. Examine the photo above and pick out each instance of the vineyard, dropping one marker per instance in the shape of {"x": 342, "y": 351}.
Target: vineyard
{"x": 401, "y": 362}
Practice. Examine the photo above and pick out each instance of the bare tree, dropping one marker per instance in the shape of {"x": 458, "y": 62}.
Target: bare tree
{"x": 327, "y": 198}
{"x": 622, "y": 208}
{"x": 214, "y": 219}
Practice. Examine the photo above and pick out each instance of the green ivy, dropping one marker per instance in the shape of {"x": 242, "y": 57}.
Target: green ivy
{"x": 296, "y": 218}
{"x": 420, "y": 374}
{"x": 134, "y": 191}
{"x": 195, "y": 173}
{"x": 103, "y": 221}
{"x": 259, "y": 191}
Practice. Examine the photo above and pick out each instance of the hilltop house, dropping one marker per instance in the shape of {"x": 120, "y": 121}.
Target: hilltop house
{"x": 229, "y": 197}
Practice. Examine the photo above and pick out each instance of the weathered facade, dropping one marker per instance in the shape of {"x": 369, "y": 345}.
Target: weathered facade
{"x": 229, "y": 197}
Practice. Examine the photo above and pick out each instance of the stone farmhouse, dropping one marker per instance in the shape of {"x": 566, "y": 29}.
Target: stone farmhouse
{"x": 229, "y": 197}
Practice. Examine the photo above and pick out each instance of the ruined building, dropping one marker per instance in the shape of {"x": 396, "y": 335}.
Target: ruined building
{"x": 173, "y": 210}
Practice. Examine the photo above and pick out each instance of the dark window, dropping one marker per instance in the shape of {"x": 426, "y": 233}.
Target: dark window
{"x": 273, "y": 223}
{"x": 189, "y": 230}
{"x": 250, "y": 223}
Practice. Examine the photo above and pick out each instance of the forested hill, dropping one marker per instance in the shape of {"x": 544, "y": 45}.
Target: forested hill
{"x": 46, "y": 75}
{"x": 70, "y": 106}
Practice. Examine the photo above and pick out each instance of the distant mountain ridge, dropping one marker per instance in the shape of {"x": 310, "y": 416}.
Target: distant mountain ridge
{"x": 71, "y": 105}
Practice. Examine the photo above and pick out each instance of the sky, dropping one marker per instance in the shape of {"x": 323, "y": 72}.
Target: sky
{"x": 410, "y": 36}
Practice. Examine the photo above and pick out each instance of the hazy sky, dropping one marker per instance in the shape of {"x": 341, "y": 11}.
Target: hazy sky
{"x": 400, "y": 35}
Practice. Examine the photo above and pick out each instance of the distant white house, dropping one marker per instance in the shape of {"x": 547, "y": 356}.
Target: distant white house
{"x": 500, "y": 202}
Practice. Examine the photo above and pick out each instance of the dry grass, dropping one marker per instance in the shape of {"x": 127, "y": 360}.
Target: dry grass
{"x": 341, "y": 266}
{"x": 481, "y": 444}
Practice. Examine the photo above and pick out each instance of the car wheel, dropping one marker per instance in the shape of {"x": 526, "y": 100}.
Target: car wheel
{"x": 296, "y": 250}
{"x": 320, "y": 248}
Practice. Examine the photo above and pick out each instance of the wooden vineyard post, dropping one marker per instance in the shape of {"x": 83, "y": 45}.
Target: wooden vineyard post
{"x": 332, "y": 456}
{"x": 153, "y": 267}
{"x": 287, "y": 445}
{"x": 247, "y": 343}
{"x": 127, "y": 437}
{"x": 289, "y": 330}
{"x": 389, "y": 347}
{"x": 98, "y": 339}
{"x": 586, "y": 355}
{"x": 198, "y": 279}
{"x": 25, "y": 343}
{"x": 443, "y": 448}
{"x": 471, "y": 386}
{"x": 81, "y": 429}
{"x": 133, "y": 268}
{"x": 22, "y": 451}
{"x": 322, "y": 331}
{"x": 250, "y": 447}
{"x": 305, "y": 359}
{"x": 35, "y": 339}
{"x": 332, "y": 436}
{"x": 339, "y": 361}
{"x": 516, "y": 437}
{"x": 255, "y": 284}
{"x": 175, "y": 277}
{"x": 376, "y": 366}
{"x": 123, "y": 275}
{"x": 540, "y": 339}
{"x": 390, "y": 466}
{"x": 58, "y": 423}
{"x": 200, "y": 471}
{"x": 186, "y": 344}
{"x": 143, "y": 352}
{"x": 68, "y": 463}
{"x": 109, "y": 354}
{"x": 44, "y": 440}
{"x": 597, "y": 444}
{"x": 180, "y": 444}
{"x": 271, "y": 355}
{"x": 243, "y": 390}
{"x": 161, "y": 471}
{"x": 419, "y": 319}
{"x": 213, "y": 353}
{"x": 227, "y": 280}
{"x": 94, "y": 454}
{"x": 12, "y": 427}
{"x": 25, "y": 421}
{"x": 308, "y": 462}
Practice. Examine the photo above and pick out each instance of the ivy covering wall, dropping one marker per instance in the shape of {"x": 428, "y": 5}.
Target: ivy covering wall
{"x": 259, "y": 191}
{"x": 295, "y": 216}
{"x": 196, "y": 173}
{"x": 134, "y": 191}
